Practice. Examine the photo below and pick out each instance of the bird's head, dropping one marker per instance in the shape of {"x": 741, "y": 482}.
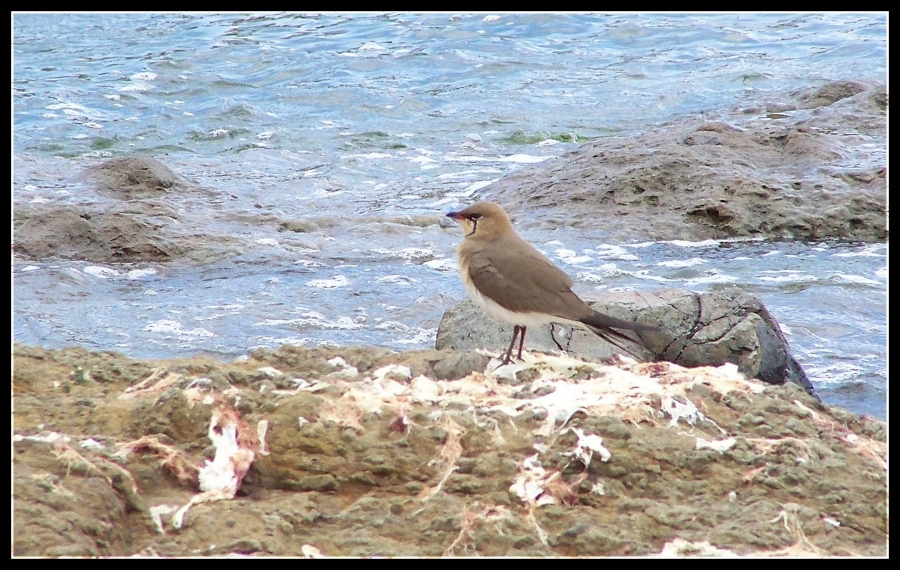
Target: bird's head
{"x": 483, "y": 220}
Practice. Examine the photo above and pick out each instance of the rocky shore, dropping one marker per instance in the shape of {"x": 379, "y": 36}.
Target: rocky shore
{"x": 364, "y": 452}
{"x": 715, "y": 445}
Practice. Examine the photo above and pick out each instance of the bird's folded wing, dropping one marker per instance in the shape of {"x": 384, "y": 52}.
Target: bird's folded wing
{"x": 524, "y": 281}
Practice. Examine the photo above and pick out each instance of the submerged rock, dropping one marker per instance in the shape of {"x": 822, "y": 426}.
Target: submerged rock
{"x": 130, "y": 176}
{"x": 108, "y": 234}
{"x": 136, "y": 214}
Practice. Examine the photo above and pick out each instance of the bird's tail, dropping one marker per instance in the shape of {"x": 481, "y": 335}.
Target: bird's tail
{"x": 601, "y": 321}
{"x": 602, "y": 326}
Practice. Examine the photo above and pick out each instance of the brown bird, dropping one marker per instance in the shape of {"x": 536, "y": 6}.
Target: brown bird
{"x": 516, "y": 283}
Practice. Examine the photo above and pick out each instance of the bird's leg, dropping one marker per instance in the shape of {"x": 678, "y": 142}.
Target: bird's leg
{"x": 521, "y": 342}
{"x": 511, "y": 345}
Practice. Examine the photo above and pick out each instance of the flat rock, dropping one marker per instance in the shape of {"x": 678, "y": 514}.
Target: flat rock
{"x": 623, "y": 460}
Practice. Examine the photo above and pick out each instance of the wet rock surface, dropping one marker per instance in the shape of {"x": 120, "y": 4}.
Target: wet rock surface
{"x": 368, "y": 452}
{"x": 699, "y": 180}
{"x": 693, "y": 329}
{"x": 141, "y": 212}
{"x": 100, "y": 235}
{"x": 131, "y": 176}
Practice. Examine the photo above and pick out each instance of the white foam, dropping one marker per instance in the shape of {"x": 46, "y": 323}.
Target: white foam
{"x": 68, "y": 106}
{"x": 443, "y": 265}
{"x": 790, "y": 277}
{"x": 369, "y": 155}
{"x": 137, "y": 87}
{"x": 371, "y": 46}
{"x": 308, "y": 263}
{"x": 606, "y": 251}
{"x": 713, "y": 278}
{"x": 681, "y": 262}
{"x": 408, "y": 254}
{"x": 230, "y": 307}
{"x": 314, "y": 319}
{"x": 872, "y": 250}
{"x": 839, "y": 373}
{"x": 138, "y": 273}
{"x": 101, "y": 272}
{"x": 571, "y": 256}
{"x": 335, "y": 282}
{"x": 466, "y": 173}
{"x": 392, "y": 326}
{"x": 467, "y": 158}
{"x": 422, "y": 337}
{"x": 423, "y": 160}
{"x": 857, "y": 279}
{"x": 272, "y": 341}
{"x": 586, "y": 277}
{"x": 479, "y": 185}
{"x": 647, "y": 276}
{"x": 524, "y": 158}
{"x": 704, "y": 243}
{"x": 176, "y": 328}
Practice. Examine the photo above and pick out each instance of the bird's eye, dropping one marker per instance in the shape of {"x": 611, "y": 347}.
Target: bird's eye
{"x": 475, "y": 217}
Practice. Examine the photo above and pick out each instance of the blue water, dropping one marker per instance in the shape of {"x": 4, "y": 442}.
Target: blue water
{"x": 366, "y": 118}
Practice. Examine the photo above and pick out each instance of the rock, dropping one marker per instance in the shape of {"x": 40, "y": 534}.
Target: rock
{"x": 99, "y": 234}
{"x": 130, "y": 218}
{"x": 129, "y": 176}
{"x": 701, "y": 180}
{"x": 459, "y": 364}
{"x": 346, "y": 484}
{"x": 831, "y": 93}
{"x": 706, "y": 329}
{"x": 134, "y": 209}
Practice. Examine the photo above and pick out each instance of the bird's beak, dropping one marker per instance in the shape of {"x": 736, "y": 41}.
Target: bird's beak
{"x": 456, "y": 216}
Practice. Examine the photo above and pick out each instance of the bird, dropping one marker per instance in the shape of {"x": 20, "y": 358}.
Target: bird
{"x": 516, "y": 283}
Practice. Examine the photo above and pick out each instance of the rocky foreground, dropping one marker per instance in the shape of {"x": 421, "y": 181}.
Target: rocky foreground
{"x": 362, "y": 451}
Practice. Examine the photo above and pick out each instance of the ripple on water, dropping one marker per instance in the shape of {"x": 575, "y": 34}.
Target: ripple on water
{"x": 335, "y": 282}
